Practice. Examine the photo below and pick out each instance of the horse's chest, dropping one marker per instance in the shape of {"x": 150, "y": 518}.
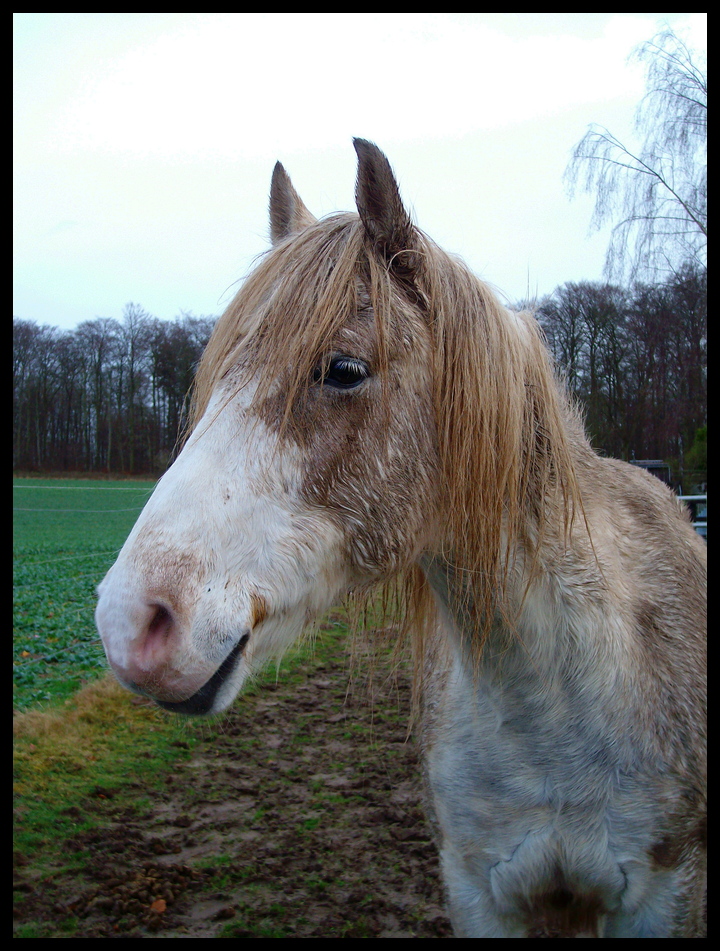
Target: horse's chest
{"x": 511, "y": 762}
{"x": 523, "y": 798}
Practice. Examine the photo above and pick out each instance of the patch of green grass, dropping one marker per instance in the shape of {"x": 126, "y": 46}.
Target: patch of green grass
{"x": 89, "y": 749}
{"x": 66, "y": 535}
{"x": 29, "y": 931}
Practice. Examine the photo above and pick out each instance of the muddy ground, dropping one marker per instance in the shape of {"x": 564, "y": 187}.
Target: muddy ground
{"x": 299, "y": 815}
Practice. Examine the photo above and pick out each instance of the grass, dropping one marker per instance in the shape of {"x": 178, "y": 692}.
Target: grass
{"x": 66, "y": 534}
{"x": 77, "y": 733}
{"x": 85, "y": 749}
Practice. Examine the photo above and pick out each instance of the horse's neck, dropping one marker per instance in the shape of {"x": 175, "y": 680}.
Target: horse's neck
{"x": 533, "y": 686}
{"x": 536, "y": 640}
{"x": 458, "y": 618}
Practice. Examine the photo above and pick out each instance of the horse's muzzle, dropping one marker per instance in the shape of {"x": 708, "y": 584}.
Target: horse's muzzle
{"x": 202, "y": 701}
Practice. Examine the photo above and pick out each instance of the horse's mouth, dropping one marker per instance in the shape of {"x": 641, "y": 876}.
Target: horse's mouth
{"x": 202, "y": 701}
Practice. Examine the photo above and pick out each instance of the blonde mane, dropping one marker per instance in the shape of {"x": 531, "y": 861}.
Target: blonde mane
{"x": 502, "y": 422}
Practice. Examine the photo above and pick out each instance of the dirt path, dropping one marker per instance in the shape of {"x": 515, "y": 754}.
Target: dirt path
{"x": 300, "y": 815}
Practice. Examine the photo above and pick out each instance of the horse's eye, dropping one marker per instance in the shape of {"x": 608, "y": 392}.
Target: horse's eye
{"x": 342, "y": 373}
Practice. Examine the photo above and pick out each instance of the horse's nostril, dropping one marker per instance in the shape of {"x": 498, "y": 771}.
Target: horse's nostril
{"x": 161, "y": 622}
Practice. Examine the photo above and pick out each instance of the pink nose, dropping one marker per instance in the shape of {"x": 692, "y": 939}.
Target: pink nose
{"x": 150, "y": 655}
{"x": 169, "y": 653}
{"x": 157, "y": 639}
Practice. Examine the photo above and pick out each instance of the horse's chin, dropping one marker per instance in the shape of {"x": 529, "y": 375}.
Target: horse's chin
{"x": 214, "y": 696}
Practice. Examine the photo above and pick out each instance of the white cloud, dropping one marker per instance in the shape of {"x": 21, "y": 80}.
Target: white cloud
{"x": 234, "y": 85}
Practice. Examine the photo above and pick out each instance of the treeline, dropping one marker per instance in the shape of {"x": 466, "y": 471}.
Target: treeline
{"x": 636, "y": 360}
{"x": 111, "y": 395}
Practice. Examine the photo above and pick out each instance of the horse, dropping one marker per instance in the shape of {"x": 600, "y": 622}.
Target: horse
{"x": 367, "y": 411}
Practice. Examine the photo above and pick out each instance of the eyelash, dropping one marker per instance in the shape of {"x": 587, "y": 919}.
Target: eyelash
{"x": 342, "y": 373}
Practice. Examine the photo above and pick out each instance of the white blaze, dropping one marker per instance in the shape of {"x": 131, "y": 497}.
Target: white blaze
{"x": 225, "y": 553}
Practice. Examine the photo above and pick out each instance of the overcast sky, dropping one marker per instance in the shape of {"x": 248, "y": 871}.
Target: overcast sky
{"x": 144, "y": 143}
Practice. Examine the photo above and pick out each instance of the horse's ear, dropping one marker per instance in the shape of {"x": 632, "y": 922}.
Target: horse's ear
{"x": 288, "y": 213}
{"x": 381, "y": 210}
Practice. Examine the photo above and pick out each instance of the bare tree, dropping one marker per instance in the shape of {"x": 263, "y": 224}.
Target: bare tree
{"x": 635, "y": 360}
{"x": 660, "y": 190}
{"x": 109, "y": 395}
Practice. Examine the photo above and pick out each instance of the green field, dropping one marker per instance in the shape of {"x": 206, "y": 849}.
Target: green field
{"x": 66, "y": 534}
